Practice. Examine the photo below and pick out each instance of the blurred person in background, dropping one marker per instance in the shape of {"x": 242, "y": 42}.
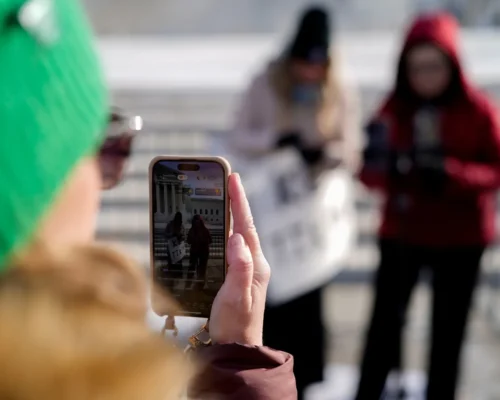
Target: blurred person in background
{"x": 59, "y": 146}
{"x": 200, "y": 239}
{"x": 298, "y": 101}
{"x": 175, "y": 230}
{"x": 434, "y": 152}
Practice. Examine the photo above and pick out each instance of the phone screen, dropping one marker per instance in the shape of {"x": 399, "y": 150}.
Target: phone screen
{"x": 188, "y": 231}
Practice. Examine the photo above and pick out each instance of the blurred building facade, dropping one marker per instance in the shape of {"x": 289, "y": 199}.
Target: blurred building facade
{"x": 194, "y": 17}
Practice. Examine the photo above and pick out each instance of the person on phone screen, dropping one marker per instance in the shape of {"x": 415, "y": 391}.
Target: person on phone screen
{"x": 200, "y": 239}
{"x": 299, "y": 101}
{"x": 61, "y": 143}
{"x": 434, "y": 152}
{"x": 175, "y": 228}
{"x": 175, "y": 233}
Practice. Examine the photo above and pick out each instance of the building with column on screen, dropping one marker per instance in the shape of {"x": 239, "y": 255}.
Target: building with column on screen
{"x": 211, "y": 209}
{"x": 171, "y": 195}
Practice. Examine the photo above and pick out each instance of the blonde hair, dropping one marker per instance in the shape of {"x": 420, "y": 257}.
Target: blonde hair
{"x": 282, "y": 82}
{"x": 72, "y": 326}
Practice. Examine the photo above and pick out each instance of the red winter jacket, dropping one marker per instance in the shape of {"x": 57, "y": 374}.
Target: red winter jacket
{"x": 464, "y": 213}
{"x": 237, "y": 372}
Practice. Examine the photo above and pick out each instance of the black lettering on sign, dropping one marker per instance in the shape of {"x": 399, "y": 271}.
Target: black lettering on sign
{"x": 282, "y": 191}
{"x": 176, "y": 253}
{"x": 290, "y": 187}
{"x": 298, "y": 186}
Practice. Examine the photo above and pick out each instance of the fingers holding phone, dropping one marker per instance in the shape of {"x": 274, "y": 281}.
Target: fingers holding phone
{"x": 194, "y": 260}
{"x": 238, "y": 311}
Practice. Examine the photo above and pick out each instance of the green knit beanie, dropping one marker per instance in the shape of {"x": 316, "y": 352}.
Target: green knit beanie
{"x": 53, "y": 111}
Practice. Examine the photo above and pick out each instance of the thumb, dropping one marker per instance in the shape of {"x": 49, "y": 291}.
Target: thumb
{"x": 240, "y": 272}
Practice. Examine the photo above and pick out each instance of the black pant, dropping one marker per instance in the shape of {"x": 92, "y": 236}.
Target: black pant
{"x": 199, "y": 260}
{"x": 454, "y": 276}
{"x": 297, "y": 328}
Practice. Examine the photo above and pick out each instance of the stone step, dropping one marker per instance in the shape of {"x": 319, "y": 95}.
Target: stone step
{"x": 182, "y": 114}
{"x": 215, "y": 63}
{"x": 358, "y": 266}
{"x": 210, "y": 17}
{"x": 364, "y": 258}
{"x": 129, "y": 225}
{"x": 148, "y": 144}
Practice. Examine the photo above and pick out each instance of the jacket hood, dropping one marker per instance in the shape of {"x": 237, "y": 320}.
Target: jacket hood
{"x": 441, "y": 30}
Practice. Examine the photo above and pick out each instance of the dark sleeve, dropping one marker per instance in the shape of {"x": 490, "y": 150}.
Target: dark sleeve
{"x": 375, "y": 176}
{"x": 168, "y": 231}
{"x": 237, "y": 372}
{"x": 190, "y": 236}
{"x": 375, "y": 180}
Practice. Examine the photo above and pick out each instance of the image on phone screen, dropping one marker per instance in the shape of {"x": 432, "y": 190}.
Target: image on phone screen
{"x": 188, "y": 232}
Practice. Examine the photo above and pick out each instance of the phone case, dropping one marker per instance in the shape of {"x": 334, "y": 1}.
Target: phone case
{"x": 163, "y": 305}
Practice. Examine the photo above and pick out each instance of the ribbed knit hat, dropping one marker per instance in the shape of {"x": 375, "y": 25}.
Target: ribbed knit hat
{"x": 53, "y": 109}
{"x": 312, "y": 39}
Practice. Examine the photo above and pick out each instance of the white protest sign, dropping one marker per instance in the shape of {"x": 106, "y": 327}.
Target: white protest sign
{"x": 306, "y": 232}
{"x": 176, "y": 249}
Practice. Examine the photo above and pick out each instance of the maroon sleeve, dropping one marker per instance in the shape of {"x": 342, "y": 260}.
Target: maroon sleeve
{"x": 234, "y": 371}
{"x": 484, "y": 175}
{"x": 373, "y": 180}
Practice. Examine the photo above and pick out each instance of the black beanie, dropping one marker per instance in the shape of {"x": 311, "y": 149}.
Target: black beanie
{"x": 312, "y": 40}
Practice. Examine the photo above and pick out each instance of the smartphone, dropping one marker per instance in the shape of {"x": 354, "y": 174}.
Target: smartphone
{"x": 189, "y": 229}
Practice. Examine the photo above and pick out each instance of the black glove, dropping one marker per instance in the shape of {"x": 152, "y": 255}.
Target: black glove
{"x": 377, "y": 151}
{"x": 399, "y": 167}
{"x": 289, "y": 139}
{"x": 431, "y": 170}
{"x": 312, "y": 156}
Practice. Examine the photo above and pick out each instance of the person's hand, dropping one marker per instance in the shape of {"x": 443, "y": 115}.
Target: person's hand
{"x": 289, "y": 139}
{"x": 431, "y": 170}
{"x": 313, "y": 156}
{"x": 377, "y": 140}
{"x": 238, "y": 310}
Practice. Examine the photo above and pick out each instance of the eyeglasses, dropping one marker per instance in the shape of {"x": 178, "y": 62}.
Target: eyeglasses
{"x": 426, "y": 68}
{"x": 117, "y": 147}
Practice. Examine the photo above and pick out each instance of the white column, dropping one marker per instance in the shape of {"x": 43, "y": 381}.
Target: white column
{"x": 180, "y": 188}
{"x": 173, "y": 187}
{"x": 168, "y": 203}
{"x": 158, "y": 210}
{"x": 180, "y": 200}
{"x": 165, "y": 199}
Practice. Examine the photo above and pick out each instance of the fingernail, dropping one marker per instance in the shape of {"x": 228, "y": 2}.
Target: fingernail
{"x": 236, "y": 241}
